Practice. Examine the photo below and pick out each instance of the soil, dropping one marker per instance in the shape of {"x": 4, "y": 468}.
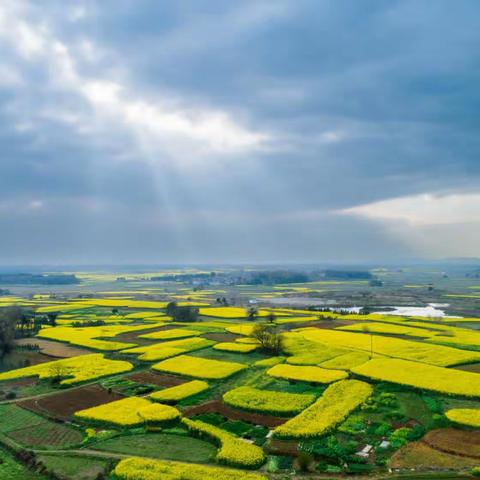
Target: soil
{"x": 221, "y": 337}
{"x": 217, "y": 406}
{"x": 282, "y": 447}
{"x": 53, "y": 349}
{"x": 465, "y": 443}
{"x": 419, "y": 456}
{"x": 472, "y": 367}
{"x": 62, "y": 405}
{"x": 134, "y": 337}
{"x": 151, "y": 378}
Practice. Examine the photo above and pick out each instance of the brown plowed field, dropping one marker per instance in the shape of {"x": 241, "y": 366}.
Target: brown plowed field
{"x": 419, "y": 456}
{"x": 217, "y": 406}
{"x": 63, "y": 405}
{"x": 221, "y": 337}
{"x": 53, "y": 349}
{"x": 151, "y": 378}
{"x": 465, "y": 443}
{"x": 47, "y": 434}
{"x": 282, "y": 447}
{"x": 134, "y": 337}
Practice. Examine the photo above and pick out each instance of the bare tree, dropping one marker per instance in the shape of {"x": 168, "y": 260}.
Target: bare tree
{"x": 270, "y": 340}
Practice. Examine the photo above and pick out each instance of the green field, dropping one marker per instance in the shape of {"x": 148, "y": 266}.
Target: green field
{"x": 392, "y": 421}
{"x": 161, "y": 445}
{"x": 74, "y": 467}
{"x": 10, "y": 469}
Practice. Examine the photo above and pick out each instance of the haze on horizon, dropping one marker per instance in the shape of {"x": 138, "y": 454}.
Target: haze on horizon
{"x": 242, "y": 131}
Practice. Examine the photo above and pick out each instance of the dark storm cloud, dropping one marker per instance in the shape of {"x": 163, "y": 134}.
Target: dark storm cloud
{"x": 185, "y": 131}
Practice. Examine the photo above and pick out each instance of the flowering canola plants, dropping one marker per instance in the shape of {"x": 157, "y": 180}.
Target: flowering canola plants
{"x": 269, "y": 362}
{"x": 233, "y": 450}
{"x": 129, "y": 412}
{"x": 163, "y": 350}
{"x": 230, "y": 312}
{"x": 86, "y": 336}
{"x": 329, "y": 410}
{"x": 199, "y": 367}
{"x": 465, "y": 416}
{"x": 267, "y": 401}
{"x": 158, "y": 413}
{"x": 236, "y": 347}
{"x": 306, "y": 374}
{"x": 179, "y": 392}
{"x": 241, "y": 329}
{"x": 392, "y": 347}
{"x": 171, "y": 334}
{"x": 346, "y": 361}
{"x": 75, "y": 369}
{"x": 421, "y": 375}
{"x": 146, "y": 469}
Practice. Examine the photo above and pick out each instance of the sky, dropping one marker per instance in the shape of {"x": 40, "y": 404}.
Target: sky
{"x": 206, "y": 131}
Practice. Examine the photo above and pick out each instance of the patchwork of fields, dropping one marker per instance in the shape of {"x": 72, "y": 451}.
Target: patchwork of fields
{"x": 135, "y": 391}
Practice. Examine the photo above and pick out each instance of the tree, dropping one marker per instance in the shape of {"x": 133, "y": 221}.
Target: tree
{"x": 270, "y": 340}
{"x": 366, "y": 329}
{"x": 171, "y": 307}
{"x": 8, "y": 322}
{"x": 52, "y": 318}
{"x": 252, "y": 313}
{"x": 182, "y": 314}
{"x": 57, "y": 372}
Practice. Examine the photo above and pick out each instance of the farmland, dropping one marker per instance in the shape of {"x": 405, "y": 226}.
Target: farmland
{"x": 128, "y": 385}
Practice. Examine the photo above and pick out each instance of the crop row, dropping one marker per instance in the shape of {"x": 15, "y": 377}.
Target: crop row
{"x": 329, "y": 410}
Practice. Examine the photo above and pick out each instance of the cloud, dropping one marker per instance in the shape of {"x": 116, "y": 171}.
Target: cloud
{"x": 162, "y": 124}
{"x": 296, "y": 130}
{"x": 424, "y": 209}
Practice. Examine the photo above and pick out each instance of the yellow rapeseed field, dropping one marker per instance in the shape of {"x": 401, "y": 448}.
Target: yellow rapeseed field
{"x": 171, "y": 334}
{"x": 329, "y": 410}
{"x": 465, "y": 416}
{"x": 268, "y": 401}
{"x": 86, "y": 336}
{"x": 143, "y": 469}
{"x": 162, "y": 350}
{"x": 74, "y": 370}
{"x": 346, "y": 361}
{"x": 241, "y": 329}
{"x": 269, "y": 362}
{"x": 392, "y": 347}
{"x": 230, "y": 312}
{"x": 129, "y": 412}
{"x": 179, "y": 392}
{"x": 421, "y": 375}
{"x": 236, "y": 347}
{"x": 199, "y": 367}
{"x": 306, "y": 374}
